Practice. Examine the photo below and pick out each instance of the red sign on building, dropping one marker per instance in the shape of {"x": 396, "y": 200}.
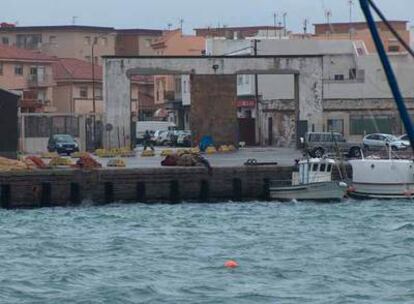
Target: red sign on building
{"x": 246, "y": 103}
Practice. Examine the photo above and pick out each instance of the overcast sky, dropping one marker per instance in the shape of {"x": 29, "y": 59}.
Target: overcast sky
{"x": 195, "y": 13}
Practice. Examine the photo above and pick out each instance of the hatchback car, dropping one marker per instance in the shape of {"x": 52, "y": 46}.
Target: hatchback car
{"x": 62, "y": 144}
{"x": 378, "y": 141}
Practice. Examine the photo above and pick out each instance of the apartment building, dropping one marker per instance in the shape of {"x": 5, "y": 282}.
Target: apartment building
{"x": 87, "y": 43}
{"x": 28, "y": 73}
{"x": 359, "y": 31}
{"x": 76, "y": 81}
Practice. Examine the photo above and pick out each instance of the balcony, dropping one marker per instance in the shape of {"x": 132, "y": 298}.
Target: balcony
{"x": 34, "y": 81}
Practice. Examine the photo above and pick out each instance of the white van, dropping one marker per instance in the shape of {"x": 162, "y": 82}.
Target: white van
{"x": 152, "y": 126}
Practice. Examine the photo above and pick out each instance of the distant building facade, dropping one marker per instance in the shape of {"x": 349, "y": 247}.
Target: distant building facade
{"x": 76, "y": 41}
{"x": 359, "y": 31}
{"x": 172, "y": 93}
{"x": 353, "y": 96}
{"x": 28, "y": 73}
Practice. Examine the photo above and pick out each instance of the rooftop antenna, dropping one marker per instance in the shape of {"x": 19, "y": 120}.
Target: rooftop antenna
{"x": 74, "y": 19}
{"x": 351, "y": 28}
{"x": 181, "y": 24}
{"x": 328, "y": 15}
{"x": 275, "y": 22}
{"x": 305, "y": 28}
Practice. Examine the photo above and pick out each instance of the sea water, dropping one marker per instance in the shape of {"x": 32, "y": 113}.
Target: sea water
{"x": 349, "y": 252}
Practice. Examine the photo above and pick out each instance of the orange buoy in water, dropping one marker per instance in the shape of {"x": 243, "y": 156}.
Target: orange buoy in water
{"x": 231, "y": 264}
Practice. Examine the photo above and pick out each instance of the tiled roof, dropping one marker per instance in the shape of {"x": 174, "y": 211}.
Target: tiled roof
{"x": 75, "y": 69}
{"x": 14, "y": 53}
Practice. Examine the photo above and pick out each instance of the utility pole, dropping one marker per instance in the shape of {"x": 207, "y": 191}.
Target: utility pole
{"x": 275, "y": 22}
{"x": 181, "y": 25}
{"x": 305, "y": 28}
{"x": 351, "y": 29}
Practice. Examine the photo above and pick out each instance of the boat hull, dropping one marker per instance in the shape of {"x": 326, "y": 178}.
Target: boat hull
{"x": 324, "y": 191}
{"x": 382, "y": 191}
{"x": 382, "y": 179}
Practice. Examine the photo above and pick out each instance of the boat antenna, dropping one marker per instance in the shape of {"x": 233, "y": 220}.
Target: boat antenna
{"x": 389, "y": 72}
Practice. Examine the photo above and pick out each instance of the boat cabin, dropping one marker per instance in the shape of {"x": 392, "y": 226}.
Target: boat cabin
{"x": 313, "y": 170}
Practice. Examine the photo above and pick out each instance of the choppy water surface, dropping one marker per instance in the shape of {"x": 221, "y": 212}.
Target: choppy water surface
{"x": 353, "y": 252}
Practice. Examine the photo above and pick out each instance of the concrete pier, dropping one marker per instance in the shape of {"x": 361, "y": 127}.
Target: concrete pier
{"x": 52, "y": 188}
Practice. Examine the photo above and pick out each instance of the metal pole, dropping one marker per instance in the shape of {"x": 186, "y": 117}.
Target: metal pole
{"x": 256, "y": 92}
{"x": 392, "y": 80}
{"x": 93, "y": 94}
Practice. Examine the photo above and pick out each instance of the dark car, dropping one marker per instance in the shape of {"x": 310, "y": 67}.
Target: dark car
{"x": 319, "y": 143}
{"x": 62, "y": 144}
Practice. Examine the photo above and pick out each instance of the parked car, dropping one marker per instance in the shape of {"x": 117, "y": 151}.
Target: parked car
{"x": 184, "y": 139}
{"x": 405, "y": 140}
{"x": 157, "y": 137}
{"x": 316, "y": 144}
{"x": 152, "y": 126}
{"x": 377, "y": 141}
{"x": 62, "y": 144}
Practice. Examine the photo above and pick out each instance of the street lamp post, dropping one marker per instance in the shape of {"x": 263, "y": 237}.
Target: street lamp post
{"x": 94, "y": 42}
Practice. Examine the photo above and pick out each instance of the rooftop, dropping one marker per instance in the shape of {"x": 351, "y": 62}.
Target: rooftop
{"x": 75, "y": 69}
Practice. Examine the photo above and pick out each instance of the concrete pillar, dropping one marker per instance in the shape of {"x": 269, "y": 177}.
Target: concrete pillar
{"x": 213, "y": 108}
{"x": 117, "y": 104}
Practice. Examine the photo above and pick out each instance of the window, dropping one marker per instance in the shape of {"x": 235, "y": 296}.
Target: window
{"x": 322, "y": 168}
{"x": 240, "y": 80}
{"x": 88, "y": 40}
{"x": 18, "y": 69}
{"x": 41, "y": 95}
{"x": 28, "y": 41}
{"x": 83, "y": 92}
{"x": 336, "y": 125}
{"x": 339, "y": 77}
{"x": 148, "y": 42}
{"x": 315, "y": 167}
{"x": 52, "y": 39}
{"x": 5, "y": 40}
{"x": 185, "y": 86}
{"x": 98, "y": 92}
{"x": 329, "y": 168}
{"x": 1, "y": 68}
{"x": 360, "y": 125}
{"x": 247, "y": 80}
{"x": 393, "y": 48}
{"x": 352, "y": 74}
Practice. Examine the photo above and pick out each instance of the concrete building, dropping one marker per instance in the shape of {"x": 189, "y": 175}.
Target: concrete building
{"x": 352, "y": 97}
{"x": 28, "y": 73}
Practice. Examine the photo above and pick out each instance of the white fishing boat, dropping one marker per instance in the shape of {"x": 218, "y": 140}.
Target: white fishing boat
{"x": 312, "y": 180}
{"x": 382, "y": 178}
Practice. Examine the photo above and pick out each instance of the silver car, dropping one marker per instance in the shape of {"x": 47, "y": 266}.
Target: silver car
{"x": 377, "y": 141}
